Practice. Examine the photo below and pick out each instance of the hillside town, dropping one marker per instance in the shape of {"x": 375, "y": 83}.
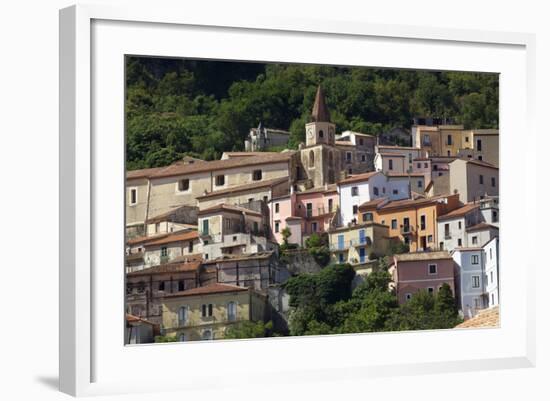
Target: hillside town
{"x": 211, "y": 244}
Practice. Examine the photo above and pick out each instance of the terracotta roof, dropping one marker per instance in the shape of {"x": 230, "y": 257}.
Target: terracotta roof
{"x": 398, "y": 147}
{"x": 374, "y": 202}
{"x": 244, "y": 188}
{"x": 320, "y": 112}
{"x": 418, "y": 256}
{"x": 229, "y": 208}
{"x": 216, "y": 288}
{"x": 245, "y": 154}
{"x": 143, "y": 173}
{"x": 481, "y": 226}
{"x": 186, "y": 235}
{"x": 167, "y": 268}
{"x": 136, "y": 319}
{"x": 391, "y": 154}
{"x": 359, "y": 177}
{"x": 485, "y": 318}
{"x": 180, "y": 168}
{"x": 145, "y": 238}
{"x": 403, "y": 203}
{"x": 478, "y": 163}
{"x": 460, "y": 212}
{"x": 404, "y": 174}
{"x": 240, "y": 257}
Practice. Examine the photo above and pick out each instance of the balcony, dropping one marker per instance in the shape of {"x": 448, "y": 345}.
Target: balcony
{"x": 406, "y": 230}
{"x": 352, "y": 243}
{"x": 315, "y": 212}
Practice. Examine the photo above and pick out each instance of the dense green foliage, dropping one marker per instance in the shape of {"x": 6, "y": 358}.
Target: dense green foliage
{"x": 166, "y": 339}
{"x": 317, "y": 246}
{"x": 248, "y": 329}
{"x": 324, "y": 304}
{"x": 201, "y": 108}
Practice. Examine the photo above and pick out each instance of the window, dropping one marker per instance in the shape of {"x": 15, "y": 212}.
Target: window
{"x": 182, "y": 337}
{"x": 363, "y": 158}
{"x": 183, "y": 185}
{"x": 449, "y": 140}
{"x": 491, "y": 258}
{"x": 475, "y": 281}
{"x": 367, "y": 216}
{"x": 418, "y": 165}
{"x": 256, "y": 175}
{"x": 430, "y": 238}
{"x": 330, "y": 205}
{"x": 205, "y": 255}
{"x": 206, "y": 310}
{"x": 426, "y": 139}
{"x": 448, "y": 153}
{"x": 479, "y": 145}
{"x": 350, "y": 171}
{"x": 309, "y": 209}
{"x": 321, "y": 134}
{"x": 493, "y": 182}
{"x": 207, "y": 335}
{"x": 474, "y": 240}
{"x": 390, "y": 164}
{"x": 163, "y": 251}
{"x": 348, "y": 157}
{"x": 311, "y": 159}
{"x": 425, "y": 165}
{"x": 250, "y": 200}
{"x": 231, "y": 311}
{"x": 277, "y": 207}
{"x": 277, "y": 226}
{"x": 375, "y": 191}
{"x": 354, "y": 209}
{"x": 419, "y": 184}
{"x": 423, "y": 222}
{"x": 441, "y": 246}
{"x": 266, "y": 198}
{"x": 314, "y": 227}
{"x": 408, "y": 296}
{"x": 181, "y": 285}
{"x": 341, "y": 258}
{"x": 430, "y": 290}
{"x": 161, "y": 286}
{"x": 220, "y": 180}
{"x": 256, "y": 227}
{"x": 354, "y": 191}
{"x": 480, "y": 157}
{"x": 361, "y": 142}
{"x": 481, "y": 179}
{"x": 460, "y": 225}
{"x": 491, "y": 277}
{"x": 410, "y": 158}
{"x": 133, "y": 196}
{"x": 157, "y": 227}
{"x": 467, "y": 139}
{"x": 447, "y": 229}
{"x": 394, "y": 224}
{"x": 475, "y": 259}
{"x": 182, "y": 315}
{"x": 432, "y": 269}
{"x": 459, "y": 242}
{"x": 492, "y": 299}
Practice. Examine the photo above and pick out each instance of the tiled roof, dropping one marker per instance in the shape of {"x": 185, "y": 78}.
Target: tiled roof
{"x": 419, "y": 256}
{"x": 145, "y": 238}
{"x": 359, "y": 177}
{"x": 167, "y": 268}
{"x": 480, "y": 163}
{"x": 216, "y": 288}
{"x": 481, "y": 226}
{"x": 245, "y": 154}
{"x": 402, "y": 203}
{"x": 404, "y": 174}
{"x": 389, "y": 147}
{"x": 244, "y": 188}
{"x": 240, "y": 257}
{"x": 228, "y": 208}
{"x": 179, "y": 168}
{"x": 460, "y": 212}
{"x": 137, "y": 319}
{"x": 143, "y": 173}
{"x": 187, "y": 235}
{"x": 485, "y": 318}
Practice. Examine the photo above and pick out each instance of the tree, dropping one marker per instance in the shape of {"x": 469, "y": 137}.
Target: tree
{"x": 166, "y": 339}
{"x": 248, "y": 329}
{"x": 318, "y": 248}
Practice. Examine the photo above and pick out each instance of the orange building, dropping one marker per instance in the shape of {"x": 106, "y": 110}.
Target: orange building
{"x": 413, "y": 221}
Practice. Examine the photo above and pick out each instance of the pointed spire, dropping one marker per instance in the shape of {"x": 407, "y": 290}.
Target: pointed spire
{"x": 320, "y": 110}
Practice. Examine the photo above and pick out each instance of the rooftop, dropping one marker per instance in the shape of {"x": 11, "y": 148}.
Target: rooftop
{"x": 460, "y": 212}
{"x": 320, "y": 112}
{"x": 240, "y": 257}
{"x": 420, "y": 256}
{"x": 186, "y": 235}
{"x": 229, "y": 208}
{"x": 484, "y": 319}
{"x": 359, "y": 177}
{"x": 481, "y": 226}
{"x": 181, "y": 168}
{"x": 166, "y": 268}
{"x": 403, "y": 203}
{"x": 216, "y": 288}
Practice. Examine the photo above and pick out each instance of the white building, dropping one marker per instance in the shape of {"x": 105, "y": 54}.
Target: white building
{"x": 361, "y": 188}
{"x": 470, "y": 280}
{"x": 491, "y": 255}
{"x": 451, "y": 227}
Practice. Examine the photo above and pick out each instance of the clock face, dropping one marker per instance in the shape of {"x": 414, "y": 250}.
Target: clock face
{"x": 310, "y": 132}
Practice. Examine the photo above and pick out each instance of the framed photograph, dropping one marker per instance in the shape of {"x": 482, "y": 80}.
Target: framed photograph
{"x": 235, "y": 190}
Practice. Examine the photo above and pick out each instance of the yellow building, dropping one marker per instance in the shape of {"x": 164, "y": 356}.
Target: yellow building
{"x": 355, "y": 243}
{"x": 205, "y": 313}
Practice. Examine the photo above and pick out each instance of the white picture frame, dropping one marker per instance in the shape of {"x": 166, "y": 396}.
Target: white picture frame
{"x": 91, "y": 40}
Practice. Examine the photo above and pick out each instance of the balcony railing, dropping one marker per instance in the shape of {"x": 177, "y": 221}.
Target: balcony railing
{"x": 352, "y": 243}
{"x": 407, "y": 229}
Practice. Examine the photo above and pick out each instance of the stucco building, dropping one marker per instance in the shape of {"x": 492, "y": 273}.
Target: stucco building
{"x": 358, "y": 242}
{"x": 473, "y": 179}
{"x": 205, "y": 313}
{"x": 412, "y": 272}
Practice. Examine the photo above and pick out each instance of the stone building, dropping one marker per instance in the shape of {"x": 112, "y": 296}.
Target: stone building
{"x": 262, "y": 138}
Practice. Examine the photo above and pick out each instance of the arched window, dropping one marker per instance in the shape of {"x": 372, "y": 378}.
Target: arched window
{"x": 321, "y": 133}
{"x": 182, "y": 315}
{"x": 311, "y": 158}
{"x": 231, "y": 311}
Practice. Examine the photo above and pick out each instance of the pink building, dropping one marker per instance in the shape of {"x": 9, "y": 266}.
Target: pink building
{"x": 304, "y": 213}
{"x": 423, "y": 165}
{"x": 412, "y": 272}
